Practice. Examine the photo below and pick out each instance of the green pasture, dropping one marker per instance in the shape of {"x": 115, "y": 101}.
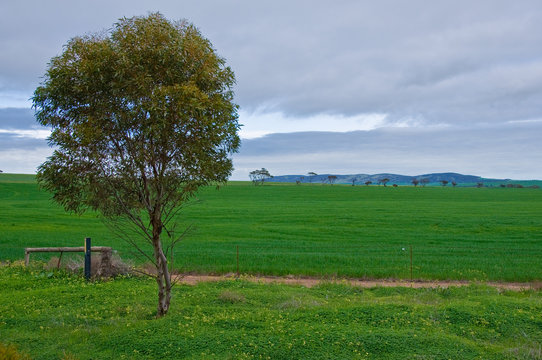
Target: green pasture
{"x": 316, "y": 230}
{"x": 52, "y": 315}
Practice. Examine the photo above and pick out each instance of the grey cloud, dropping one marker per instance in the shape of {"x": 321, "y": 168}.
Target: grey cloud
{"x": 12, "y": 142}
{"x": 510, "y": 151}
{"x": 18, "y": 118}
{"x": 466, "y": 63}
{"x": 452, "y": 62}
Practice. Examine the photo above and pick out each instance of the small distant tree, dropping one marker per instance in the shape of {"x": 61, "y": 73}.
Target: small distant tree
{"x": 311, "y": 176}
{"x": 297, "y": 182}
{"x": 258, "y": 177}
{"x": 415, "y": 182}
{"x": 331, "y": 179}
{"x": 479, "y": 185}
{"x": 384, "y": 181}
{"x": 354, "y": 181}
{"x": 301, "y": 178}
{"x": 444, "y": 182}
{"x": 367, "y": 183}
{"x": 454, "y": 184}
{"x": 395, "y": 185}
{"x": 424, "y": 181}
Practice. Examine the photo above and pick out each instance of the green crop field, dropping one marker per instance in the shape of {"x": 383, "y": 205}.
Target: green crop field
{"x": 52, "y": 315}
{"x": 328, "y": 231}
{"x": 315, "y": 230}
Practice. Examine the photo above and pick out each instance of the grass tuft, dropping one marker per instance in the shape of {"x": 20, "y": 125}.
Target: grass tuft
{"x": 231, "y": 297}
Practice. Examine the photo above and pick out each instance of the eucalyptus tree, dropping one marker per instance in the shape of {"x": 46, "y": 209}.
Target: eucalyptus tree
{"x": 142, "y": 115}
{"x": 258, "y": 177}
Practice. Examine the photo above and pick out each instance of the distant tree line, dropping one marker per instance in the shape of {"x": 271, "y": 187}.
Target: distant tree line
{"x": 258, "y": 177}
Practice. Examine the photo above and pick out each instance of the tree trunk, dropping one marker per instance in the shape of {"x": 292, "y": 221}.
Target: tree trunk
{"x": 163, "y": 277}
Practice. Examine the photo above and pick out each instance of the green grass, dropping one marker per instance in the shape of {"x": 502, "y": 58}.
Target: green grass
{"x": 51, "y": 315}
{"x": 330, "y": 231}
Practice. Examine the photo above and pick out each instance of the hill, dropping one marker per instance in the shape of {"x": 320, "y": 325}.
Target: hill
{"x": 433, "y": 179}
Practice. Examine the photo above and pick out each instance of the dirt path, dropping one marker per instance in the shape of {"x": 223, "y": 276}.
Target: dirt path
{"x": 310, "y": 282}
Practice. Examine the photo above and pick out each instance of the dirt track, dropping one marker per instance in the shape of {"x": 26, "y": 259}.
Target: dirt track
{"x": 309, "y": 282}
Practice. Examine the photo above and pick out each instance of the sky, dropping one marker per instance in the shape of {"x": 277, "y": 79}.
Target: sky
{"x": 344, "y": 87}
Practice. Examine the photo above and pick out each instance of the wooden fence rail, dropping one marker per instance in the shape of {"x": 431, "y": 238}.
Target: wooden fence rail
{"x": 106, "y": 253}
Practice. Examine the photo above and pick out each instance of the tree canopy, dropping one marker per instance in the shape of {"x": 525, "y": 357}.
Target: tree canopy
{"x": 141, "y": 116}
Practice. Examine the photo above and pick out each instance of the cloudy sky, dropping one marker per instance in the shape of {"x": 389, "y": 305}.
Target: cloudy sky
{"x": 341, "y": 87}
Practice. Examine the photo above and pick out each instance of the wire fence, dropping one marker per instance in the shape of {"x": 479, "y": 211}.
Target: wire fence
{"x": 408, "y": 261}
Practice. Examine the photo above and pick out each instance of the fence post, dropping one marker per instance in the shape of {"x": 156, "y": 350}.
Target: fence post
{"x": 105, "y": 262}
{"x": 87, "y": 258}
{"x": 237, "y": 246}
{"x": 59, "y": 259}
{"x": 411, "y": 278}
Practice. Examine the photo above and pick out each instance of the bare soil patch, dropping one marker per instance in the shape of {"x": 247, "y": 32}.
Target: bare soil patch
{"x": 308, "y": 282}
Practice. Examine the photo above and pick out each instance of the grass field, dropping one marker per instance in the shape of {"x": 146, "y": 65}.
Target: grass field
{"x": 51, "y": 315}
{"x": 334, "y": 231}
{"x": 484, "y": 234}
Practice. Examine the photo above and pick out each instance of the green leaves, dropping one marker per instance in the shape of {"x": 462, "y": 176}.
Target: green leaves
{"x": 150, "y": 99}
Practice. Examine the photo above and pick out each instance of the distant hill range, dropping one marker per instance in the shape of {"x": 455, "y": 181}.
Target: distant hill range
{"x": 375, "y": 179}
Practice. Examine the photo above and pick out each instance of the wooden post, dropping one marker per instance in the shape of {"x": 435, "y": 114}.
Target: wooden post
{"x": 87, "y": 258}
{"x": 237, "y": 261}
{"x": 26, "y": 257}
{"x": 411, "y": 279}
{"x": 105, "y": 262}
{"x": 59, "y": 258}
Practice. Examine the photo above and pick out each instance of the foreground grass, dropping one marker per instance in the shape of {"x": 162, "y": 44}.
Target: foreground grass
{"x": 51, "y": 315}
{"x": 335, "y": 231}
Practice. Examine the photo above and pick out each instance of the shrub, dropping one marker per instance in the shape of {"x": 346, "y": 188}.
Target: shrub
{"x": 76, "y": 264}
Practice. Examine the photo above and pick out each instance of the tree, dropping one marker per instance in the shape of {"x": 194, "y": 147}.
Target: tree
{"x": 142, "y": 116}
{"x": 331, "y": 179}
{"x": 454, "y": 184}
{"x": 258, "y": 177}
{"x": 384, "y": 181}
{"x": 354, "y": 181}
{"x": 444, "y": 182}
{"x": 415, "y": 182}
{"x": 367, "y": 183}
{"x": 311, "y": 176}
{"x": 424, "y": 181}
